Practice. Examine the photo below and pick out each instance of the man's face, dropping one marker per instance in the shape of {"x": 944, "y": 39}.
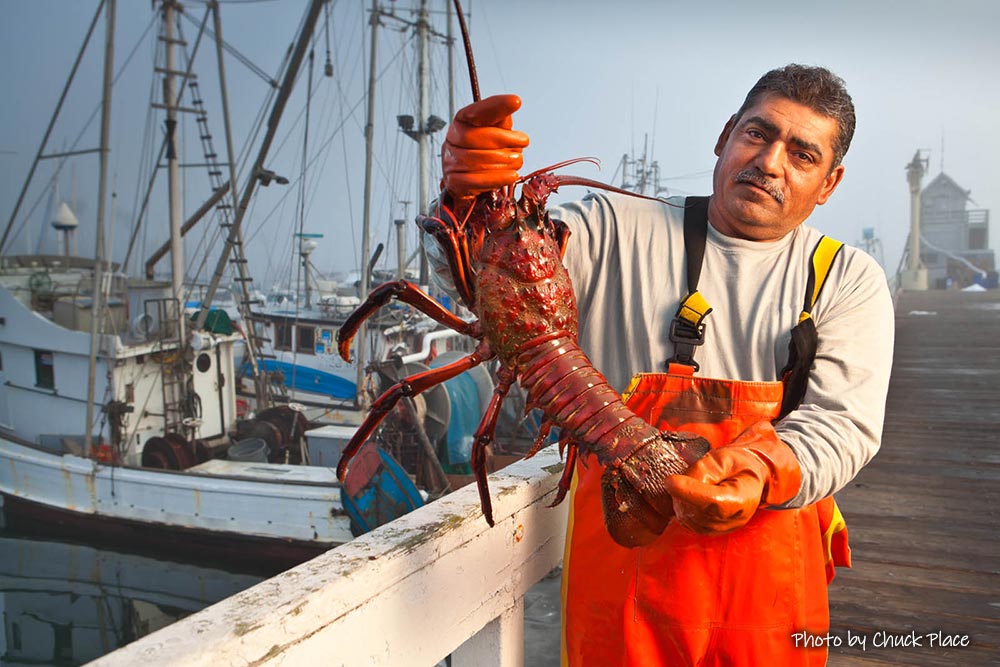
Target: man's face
{"x": 774, "y": 168}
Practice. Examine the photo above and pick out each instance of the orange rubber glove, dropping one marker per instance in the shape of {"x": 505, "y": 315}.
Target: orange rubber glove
{"x": 723, "y": 490}
{"x": 481, "y": 152}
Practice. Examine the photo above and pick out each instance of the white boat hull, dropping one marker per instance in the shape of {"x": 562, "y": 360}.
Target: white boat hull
{"x": 220, "y": 501}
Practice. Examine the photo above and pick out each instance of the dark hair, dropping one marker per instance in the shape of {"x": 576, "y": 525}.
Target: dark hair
{"x": 815, "y": 87}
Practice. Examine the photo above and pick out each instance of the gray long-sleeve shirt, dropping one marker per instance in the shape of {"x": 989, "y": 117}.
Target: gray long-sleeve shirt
{"x": 626, "y": 259}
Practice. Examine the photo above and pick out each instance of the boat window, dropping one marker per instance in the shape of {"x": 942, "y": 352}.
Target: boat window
{"x": 307, "y": 340}
{"x": 45, "y": 376}
{"x": 283, "y": 336}
{"x": 203, "y": 363}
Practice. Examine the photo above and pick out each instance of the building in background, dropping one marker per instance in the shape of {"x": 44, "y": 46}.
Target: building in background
{"x": 955, "y": 243}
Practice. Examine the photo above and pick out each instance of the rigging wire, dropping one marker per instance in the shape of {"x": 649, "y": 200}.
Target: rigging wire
{"x": 319, "y": 151}
{"x": 328, "y": 117}
{"x": 256, "y": 128}
{"x": 180, "y": 93}
{"x": 327, "y": 110}
{"x": 301, "y": 206}
{"x": 145, "y": 158}
{"x": 233, "y": 51}
{"x": 348, "y": 117}
{"x": 317, "y": 161}
{"x": 213, "y": 230}
{"x": 298, "y": 184}
{"x": 243, "y": 159}
{"x": 79, "y": 137}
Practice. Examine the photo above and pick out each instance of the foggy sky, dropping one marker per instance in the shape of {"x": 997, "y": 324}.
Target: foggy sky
{"x": 597, "y": 79}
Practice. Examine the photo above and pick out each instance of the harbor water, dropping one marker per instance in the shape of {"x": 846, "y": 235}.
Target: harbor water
{"x": 66, "y": 604}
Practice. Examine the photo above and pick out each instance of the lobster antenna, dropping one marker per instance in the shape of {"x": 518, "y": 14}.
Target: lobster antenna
{"x": 560, "y": 165}
{"x": 468, "y": 52}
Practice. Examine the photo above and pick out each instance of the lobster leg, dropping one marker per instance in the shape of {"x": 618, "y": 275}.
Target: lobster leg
{"x": 561, "y": 232}
{"x": 410, "y": 386}
{"x": 540, "y": 439}
{"x": 484, "y": 436}
{"x": 457, "y": 254}
{"x": 406, "y": 292}
{"x": 567, "y": 474}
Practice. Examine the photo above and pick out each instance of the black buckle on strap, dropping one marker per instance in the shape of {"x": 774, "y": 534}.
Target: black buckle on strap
{"x": 685, "y": 337}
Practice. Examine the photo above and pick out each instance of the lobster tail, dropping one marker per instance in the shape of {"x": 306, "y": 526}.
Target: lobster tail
{"x": 557, "y": 376}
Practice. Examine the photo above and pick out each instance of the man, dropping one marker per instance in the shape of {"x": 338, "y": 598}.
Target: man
{"x": 786, "y": 378}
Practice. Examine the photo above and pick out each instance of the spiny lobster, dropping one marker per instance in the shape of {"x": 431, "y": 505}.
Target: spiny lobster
{"x": 505, "y": 257}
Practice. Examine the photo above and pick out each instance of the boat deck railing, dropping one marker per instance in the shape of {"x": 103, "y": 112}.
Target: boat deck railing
{"x": 436, "y": 582}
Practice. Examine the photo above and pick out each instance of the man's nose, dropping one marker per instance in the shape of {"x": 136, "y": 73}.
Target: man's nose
{"x": 770, "y": 159}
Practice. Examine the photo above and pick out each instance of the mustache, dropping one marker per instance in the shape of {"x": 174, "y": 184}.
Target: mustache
{"x": 754, "y": 176}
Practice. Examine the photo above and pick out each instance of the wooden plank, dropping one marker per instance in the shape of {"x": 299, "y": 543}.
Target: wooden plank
{"x": 970, "y": 581}
{"x": 922, "y": 514}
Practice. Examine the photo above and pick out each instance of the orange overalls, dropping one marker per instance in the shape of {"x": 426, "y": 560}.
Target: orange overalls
{"x": 733, "y": 600}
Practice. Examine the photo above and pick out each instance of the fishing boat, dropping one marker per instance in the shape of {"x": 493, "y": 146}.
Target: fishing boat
{"x": 299, "y": 330}
{"x": 119, "y": 411}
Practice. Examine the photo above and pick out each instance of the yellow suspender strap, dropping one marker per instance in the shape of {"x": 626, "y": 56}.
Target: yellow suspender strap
{"x": 694, "y": 308}
{"x": 837, "y": 524}
{"x": 822, "y": 259}
{"x": 687, "y": 329}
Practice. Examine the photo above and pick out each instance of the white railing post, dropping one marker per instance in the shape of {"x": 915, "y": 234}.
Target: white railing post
{"x": 499, "y": 644}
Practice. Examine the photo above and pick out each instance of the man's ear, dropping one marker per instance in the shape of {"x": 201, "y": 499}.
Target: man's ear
{"x": 724, "y": 137}
{"x": 831, "y": 183}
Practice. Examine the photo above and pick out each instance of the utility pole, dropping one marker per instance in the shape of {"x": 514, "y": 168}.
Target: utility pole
{"x": 914, "y": 278}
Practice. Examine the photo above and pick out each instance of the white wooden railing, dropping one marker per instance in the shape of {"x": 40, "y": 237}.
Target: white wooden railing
{"x": 435, "y": 582}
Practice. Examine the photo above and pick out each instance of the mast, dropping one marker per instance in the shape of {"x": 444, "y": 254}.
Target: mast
{"x": 173, "y": 168}
{"x": 96, "y": 304}
{"x": 366, "y": 219}
{"x": 423, "y": 139}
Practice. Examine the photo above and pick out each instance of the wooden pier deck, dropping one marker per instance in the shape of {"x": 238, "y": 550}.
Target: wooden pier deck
{"x": 924, "y": 515}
